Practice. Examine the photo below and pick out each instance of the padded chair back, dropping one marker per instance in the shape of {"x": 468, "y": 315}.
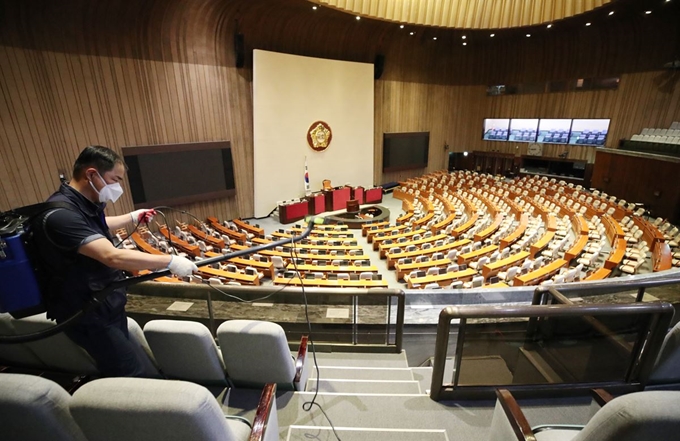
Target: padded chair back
{"x": 255, "y": 353}
{"x": 666, "y": 369}
{"x": 57, "y": 352}
{"x": 34, "y": 409}
{"x": 142, "y": 349}
{"x": 16, "y": 355}
{"x": 638, "y": 416}
{"x": 138, "y": 409}
{"x": 185, "y": 350}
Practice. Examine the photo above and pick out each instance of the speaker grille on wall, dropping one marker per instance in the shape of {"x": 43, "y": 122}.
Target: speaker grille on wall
{"x": 378, "y": 66}
{"x": 239, "y": 49}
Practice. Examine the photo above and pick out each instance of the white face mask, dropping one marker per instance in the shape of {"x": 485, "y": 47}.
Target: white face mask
{"x": 110, "y": 192}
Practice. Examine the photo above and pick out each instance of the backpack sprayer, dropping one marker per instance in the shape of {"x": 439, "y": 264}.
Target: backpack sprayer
{"x": 20, "y": 292}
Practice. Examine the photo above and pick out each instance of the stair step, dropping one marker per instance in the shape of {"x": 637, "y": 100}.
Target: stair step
{"x": 364, "y": 386}
{"x": 361, "y": 359}
{"x": 363, "y": 373}
{"x": 423, "y": 375}
{"x": 305, "y": 433}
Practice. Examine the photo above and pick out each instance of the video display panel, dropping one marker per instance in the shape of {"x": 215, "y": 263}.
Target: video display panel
{"x": 554, "y": 131}
{"x": 496, "y": 129}
{"x": 523, "y": 130}
{"x": 589, "y": 132}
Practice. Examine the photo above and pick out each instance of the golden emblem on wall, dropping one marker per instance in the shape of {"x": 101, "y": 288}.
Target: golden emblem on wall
{"x": 319, "y": 136}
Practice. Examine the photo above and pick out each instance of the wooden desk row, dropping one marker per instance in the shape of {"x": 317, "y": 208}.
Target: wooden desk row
{"x": 537, "y": 276}
{"x": 267, "y": 268}
{"x": 492, "y": 269}
{"x": 324, "y": 283}
{"x": 248, "y": 279}
{"x": 377, "y": 241}
{"x": 300, "y": 246}
{"x": 541, "y": 243}
{"x": 353, "y": 269}
{"x": 235, "y": 235}
{"x": 442, "y": 280}
{"x": 392, "y": 258}
{"x": 517, "y": 233}
{"x": 488, "y": 231}
{"x": 184, "y": 246}
{"x": 384, "y": 247}
{"x": 301, "y": 255}
{"x": 616, "y": 255}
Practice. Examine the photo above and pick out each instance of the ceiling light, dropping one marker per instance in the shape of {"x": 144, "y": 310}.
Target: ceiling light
{"x": 411, "y": 33}
{"x": 401, "y": 26}
{"x": 358, "y": 18}
{"x": 434, "y": 38}
{"x": 528, "y": 35}
{"x": 314, "y": 8}
{"x": 492, "y": 35}
{"x": 611, "y": 12}
{"x": 549, "y": 26}
{"x": 588, "y": 24}
{"x": 648, "y": 12}
{"x": 464, "y": 44}
{"x": 463, "y": 37}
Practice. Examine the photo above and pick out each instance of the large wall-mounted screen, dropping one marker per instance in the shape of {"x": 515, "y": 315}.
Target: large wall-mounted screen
{"x": 523, "y": 130}
{"x": 587, "y": 132}
{"x": 553, "y": 131}
{"x": 496, "y": 129}
{"x": 174, "y": 174}
{"x": 405, "y": 151}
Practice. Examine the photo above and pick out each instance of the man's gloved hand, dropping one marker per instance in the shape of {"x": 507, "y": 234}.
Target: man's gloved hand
{"x": 142, "y": 215}
{"x": 181, "y": 266}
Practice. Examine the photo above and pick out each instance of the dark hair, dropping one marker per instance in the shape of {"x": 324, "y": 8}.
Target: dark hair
{"x": 97, "y": 156}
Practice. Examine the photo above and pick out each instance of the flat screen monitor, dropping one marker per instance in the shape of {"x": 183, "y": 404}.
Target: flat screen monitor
{"x": 523, "y": 130}
{"x": 172, "y": 174}
{"x": 405, "y": 151}
{"x": 496, "y": 129}
{"x": 589, "y": 132}
{"x": 553, "y": 131}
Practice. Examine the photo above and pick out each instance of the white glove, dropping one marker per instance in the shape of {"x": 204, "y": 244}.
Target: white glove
{"x": 181, "y": 266}
{"x": 142, "y": 215}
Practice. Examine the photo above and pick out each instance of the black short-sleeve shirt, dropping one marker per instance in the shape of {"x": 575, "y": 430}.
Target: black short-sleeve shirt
{"x": 73, "y": 277}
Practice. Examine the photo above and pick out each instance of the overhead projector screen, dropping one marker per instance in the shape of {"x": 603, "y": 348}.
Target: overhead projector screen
{"x": 290, "y": 93}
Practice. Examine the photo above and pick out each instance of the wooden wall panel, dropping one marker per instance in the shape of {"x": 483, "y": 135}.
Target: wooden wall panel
{"x": 123, "y": 73}
{"x": 647, "y": 180}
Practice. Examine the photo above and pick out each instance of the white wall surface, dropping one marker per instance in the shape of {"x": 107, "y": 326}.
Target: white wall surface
{"x": 290, "y": 92}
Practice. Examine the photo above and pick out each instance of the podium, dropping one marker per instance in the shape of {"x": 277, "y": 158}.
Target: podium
{"x": 373, "y": 195}
{"x": 292, "y": 212}
{"x": 336, "y": 199}
{"x": 317, "y": 203}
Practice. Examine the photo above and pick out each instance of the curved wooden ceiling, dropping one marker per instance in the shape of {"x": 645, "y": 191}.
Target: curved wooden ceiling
{"x": 466, "y": 14}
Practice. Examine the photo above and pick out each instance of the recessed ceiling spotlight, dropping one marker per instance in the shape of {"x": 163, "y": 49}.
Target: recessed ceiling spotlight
{"x": 648, "y": 12}
{"x": 464, "y": 43}
{"x": 492, "y": 35}
{"x": 401, "y": 26}
{"x": 463, "y": 37}
{"x": 528, "y": 35}
{"x": 358, "y": 18}
{"x": 411, "y": 33}
{"x": 549, "y": 26}
{"x": 588, "y": 24}
{"x": 611, "y": 12}
{"x": 314, "y": 8}
{"x": 434, "y": 38}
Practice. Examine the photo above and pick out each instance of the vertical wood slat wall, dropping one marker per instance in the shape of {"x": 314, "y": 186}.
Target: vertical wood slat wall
{"x": 159, "y": 72}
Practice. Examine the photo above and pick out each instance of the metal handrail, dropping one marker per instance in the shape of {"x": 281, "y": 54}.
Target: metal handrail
{"x": 642, "y": 360}
{"x": 283, "y": 294}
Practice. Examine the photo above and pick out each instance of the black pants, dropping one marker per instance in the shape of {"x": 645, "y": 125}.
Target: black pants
{"x": 108, "y": 343}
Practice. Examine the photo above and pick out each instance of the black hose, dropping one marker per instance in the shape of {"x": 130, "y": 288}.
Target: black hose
{"x": 99, "y": 296}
